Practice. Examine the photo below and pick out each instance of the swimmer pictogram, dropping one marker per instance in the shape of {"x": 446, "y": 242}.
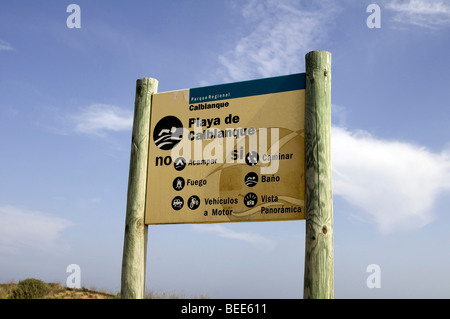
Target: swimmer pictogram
{"x": 168, "y": 132}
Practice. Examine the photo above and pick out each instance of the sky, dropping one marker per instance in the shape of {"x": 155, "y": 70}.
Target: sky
{"x": 66, "y": 112}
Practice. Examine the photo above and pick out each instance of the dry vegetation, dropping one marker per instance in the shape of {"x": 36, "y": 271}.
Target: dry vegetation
{"x": 36, "y": 289}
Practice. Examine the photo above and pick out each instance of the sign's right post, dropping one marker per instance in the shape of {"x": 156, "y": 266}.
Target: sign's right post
{"x": 319, "y": 264}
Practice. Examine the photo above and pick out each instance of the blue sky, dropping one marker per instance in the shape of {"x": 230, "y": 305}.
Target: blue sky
{"x": 66, "y": 108}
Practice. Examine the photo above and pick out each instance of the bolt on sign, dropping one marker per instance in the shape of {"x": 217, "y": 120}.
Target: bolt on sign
{"x": 228, "y": 153}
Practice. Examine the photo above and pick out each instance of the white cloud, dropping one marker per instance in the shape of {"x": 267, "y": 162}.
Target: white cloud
{"x": 21, "y": 229}
{"x": 283, "y": 32}
{"x": 5, "y": 46}
{"x": 222, "y": 231}
{"x": 99, "y": 118}
{"x": 424, "y": 13}
{"x": 395, "y": 183}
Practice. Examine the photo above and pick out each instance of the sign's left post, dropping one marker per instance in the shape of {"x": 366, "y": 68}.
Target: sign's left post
{"x": 135, "y": 239}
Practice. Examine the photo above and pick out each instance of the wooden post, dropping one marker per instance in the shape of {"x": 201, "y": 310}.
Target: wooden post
{"x": 319, "y": 277}
{"x": 135, "y": 241}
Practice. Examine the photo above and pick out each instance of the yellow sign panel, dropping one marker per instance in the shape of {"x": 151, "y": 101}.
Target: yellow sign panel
{"x": 228, "y": 153}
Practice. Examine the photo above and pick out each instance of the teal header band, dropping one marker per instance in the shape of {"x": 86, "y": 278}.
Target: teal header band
{"x": 248, "y": 88}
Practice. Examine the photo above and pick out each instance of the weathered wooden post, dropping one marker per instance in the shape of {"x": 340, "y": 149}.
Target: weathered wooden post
{"x": 135, "y": 241}
{"x": 319, "y": 277}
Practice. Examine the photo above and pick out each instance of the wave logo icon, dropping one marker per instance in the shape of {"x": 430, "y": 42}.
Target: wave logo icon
{"x": 168, "y": 132}
{"x": 251, "y": 179}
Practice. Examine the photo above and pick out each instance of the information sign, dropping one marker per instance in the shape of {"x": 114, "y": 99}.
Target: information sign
{"x": 228, "y": 153}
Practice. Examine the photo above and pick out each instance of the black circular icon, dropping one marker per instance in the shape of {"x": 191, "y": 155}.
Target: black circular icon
{"x": 177, "y": 203}
{"x": 252, "y": 158}
{"x": 168, "y": 132}
{"x": 251, "y": 179}
{"x": 193, "y": 202}
{"x": 250, "y": 200}
{"x": 180, "y": 163}
{"x": 178, "y": 183}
